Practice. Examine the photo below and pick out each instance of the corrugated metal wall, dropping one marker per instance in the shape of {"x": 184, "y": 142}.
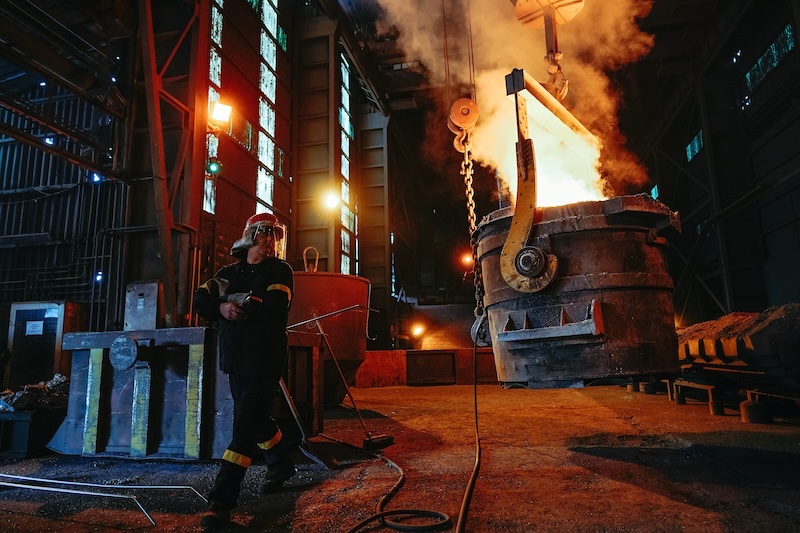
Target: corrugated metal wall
{"x": 55, "y": 214}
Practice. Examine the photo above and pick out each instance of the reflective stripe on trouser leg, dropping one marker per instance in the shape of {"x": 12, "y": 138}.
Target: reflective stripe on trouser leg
{"x": 237, "y": 458}
{"x": 270, "y": 443}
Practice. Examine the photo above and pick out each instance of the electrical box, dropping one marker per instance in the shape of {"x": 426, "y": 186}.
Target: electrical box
{"x": 35, "y": 332}
{"x": 143, "y": 303}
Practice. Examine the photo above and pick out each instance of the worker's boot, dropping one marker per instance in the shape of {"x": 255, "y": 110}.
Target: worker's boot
{"x": 217, "y": 517}
{"x": 280, "y": 469}
{"x": 223, "y": 496}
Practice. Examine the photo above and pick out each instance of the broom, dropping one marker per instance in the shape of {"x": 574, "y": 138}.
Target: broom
{"x": 372, "y": 442}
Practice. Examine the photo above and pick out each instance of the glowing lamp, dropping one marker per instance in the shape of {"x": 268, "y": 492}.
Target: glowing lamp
{"x": 220, "y": 113}
{"x": 331, "y": 201}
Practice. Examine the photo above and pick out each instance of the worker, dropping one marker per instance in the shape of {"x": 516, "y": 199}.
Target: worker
{"x": 249, "y": 302}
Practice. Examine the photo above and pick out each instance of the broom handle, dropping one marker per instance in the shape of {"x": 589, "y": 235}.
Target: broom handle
{"x": 293, "y": 409}
{"x": 341, "y": 375}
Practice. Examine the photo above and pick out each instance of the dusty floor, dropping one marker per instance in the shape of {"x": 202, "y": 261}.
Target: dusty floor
{"x": 599, "y": 459}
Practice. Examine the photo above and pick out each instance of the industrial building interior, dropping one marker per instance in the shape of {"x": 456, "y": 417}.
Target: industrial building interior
{"x": 585, "y": 213}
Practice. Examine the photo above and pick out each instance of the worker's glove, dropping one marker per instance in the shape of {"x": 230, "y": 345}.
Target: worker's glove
{"x": 248, "y": 302}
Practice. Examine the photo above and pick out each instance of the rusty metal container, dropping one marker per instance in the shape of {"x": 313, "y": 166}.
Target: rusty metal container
{"x": 608, "y": 311}
{"x": 324, "y": 293}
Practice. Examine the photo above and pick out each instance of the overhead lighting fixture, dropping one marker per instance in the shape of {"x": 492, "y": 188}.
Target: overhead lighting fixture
{"x": 220, "y": 113}
{"x": 331, "y": 201}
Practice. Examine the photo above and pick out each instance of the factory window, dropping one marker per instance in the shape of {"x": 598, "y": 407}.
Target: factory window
{"x": 349, "y": 239}
{"x": 345, "y": 242}
{"x": 269, "y": 16}
{"x": 258, "y": 138}
{"x": 267, "y": 82}
{"x": 215, "y": 77}
{"x": 345, "y": 266}
{"x": 279, "y": 157}
{"x": 283, "y": 40}
{"x": 216, "y": 25}
{"x": 268, "y": 49}
{"x": 771, "y": 58}
{"x": 266, "y": 150}
{"x": 266, "y": 115}
{"x": 210, "y": 195}
{"x": 348, "y": 218}
{"x": 695, "y": 146}
{"x": 242, "y": 132}
{"x": 265, "y": 185}
{"x": 215, "y": 67}
{"x": 263, "y": 208}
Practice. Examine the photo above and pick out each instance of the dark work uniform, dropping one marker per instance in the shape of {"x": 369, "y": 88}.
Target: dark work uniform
{"x": 253, "y": 352}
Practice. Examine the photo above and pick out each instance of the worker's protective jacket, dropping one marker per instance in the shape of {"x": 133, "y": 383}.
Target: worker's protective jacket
{"x": 258, "y": 344}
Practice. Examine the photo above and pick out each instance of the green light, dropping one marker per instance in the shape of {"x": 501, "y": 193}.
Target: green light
{"x": 213, "y": 166}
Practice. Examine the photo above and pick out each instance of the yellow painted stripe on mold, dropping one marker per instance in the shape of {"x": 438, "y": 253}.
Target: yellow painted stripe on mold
{"x": 194, "y": 396}
{"x": 140, "y": 410}
{"x": 94, "y": 377}
{"x": 266, "y": 445}
{"x": 281, "y": 287}
{"x": 236, "y": 458}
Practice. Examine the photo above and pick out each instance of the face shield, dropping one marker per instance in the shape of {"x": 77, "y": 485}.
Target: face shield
{"x": 278, "y": 233}
{"x": 263, "y": 224}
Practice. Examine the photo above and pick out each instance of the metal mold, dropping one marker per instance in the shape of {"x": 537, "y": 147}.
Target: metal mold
{"x": 322, "y": 293}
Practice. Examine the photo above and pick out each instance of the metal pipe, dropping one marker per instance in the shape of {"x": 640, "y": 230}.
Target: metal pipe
{"x": 82, "y": 492}
{"x": 326, "y": 315}
{"x": 106, "y": 486}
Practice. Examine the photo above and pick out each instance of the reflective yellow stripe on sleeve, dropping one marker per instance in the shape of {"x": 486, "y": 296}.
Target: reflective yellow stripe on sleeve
{"x": 281, "y": 287}
{"x": 236, "y": 458}
{"x": 266, "y": 445}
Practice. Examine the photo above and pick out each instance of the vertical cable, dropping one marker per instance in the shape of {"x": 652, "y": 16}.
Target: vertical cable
{"x": 471, "y": 55}
{"x": 446, "y": 55}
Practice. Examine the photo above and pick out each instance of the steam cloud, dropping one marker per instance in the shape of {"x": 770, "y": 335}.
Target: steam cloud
{"x": 602, "y": 37}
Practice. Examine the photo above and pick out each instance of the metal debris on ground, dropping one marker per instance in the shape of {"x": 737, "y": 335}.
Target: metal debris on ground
{"x": 43, "y": 395}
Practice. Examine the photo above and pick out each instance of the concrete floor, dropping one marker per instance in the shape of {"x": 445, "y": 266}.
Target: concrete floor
{"x": 585, "y": 460}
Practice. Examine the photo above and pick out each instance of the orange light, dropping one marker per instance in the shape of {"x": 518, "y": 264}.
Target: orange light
{"x": 467, "y": 260}
{"x": 331, "y": 201}
{"x": 220, "y": 112}
{"x": 566, "y": 161}
{"x": 417, "y": 330}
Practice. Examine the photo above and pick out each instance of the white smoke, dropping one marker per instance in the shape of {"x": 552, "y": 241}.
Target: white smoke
{"x": 603, "y": 36}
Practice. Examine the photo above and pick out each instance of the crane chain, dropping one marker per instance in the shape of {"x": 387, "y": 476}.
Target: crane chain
{"x": 467, "y": 172}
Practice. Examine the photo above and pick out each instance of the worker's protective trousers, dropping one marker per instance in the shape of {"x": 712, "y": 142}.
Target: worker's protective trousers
{"x": 254, "y": 432}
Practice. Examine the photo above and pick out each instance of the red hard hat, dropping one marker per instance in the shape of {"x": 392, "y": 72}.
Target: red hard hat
{"x": 262, "y": 218}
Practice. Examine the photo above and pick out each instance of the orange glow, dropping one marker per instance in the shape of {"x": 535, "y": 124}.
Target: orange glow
{"x": 417, "y": 330}
{"x": 566, "y": 162}
{"x": 466, "y": 259}
{"x": 220, "y": 112}
{"x": 331, "y": 201}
